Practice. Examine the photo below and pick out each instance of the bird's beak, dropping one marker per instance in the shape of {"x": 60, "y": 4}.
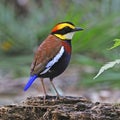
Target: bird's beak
{"x": 78, "y": 29}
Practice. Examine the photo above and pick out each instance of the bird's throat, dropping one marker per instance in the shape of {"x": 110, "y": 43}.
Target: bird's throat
{"x": 67, "y": 36}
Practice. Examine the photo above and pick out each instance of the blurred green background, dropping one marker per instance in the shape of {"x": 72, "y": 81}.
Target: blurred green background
{"x": 24, "y": 24}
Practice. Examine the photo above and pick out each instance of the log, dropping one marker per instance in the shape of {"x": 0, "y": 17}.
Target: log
{"x": 65, "y": 108}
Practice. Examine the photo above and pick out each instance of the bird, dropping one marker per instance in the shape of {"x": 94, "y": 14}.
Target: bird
{"x": 53, "y": 55}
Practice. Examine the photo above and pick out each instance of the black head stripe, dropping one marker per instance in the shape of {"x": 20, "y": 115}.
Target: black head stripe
{"x": 67, "y": 22}
{"x": 63, "y": 31}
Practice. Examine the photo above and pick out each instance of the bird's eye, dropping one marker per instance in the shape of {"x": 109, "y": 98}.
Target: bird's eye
{"x": 67, "y": 29}
{"x": 63, "y": 30}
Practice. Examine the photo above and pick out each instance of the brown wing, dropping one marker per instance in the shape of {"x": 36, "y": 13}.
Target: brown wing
{"x": 45, "y": 52}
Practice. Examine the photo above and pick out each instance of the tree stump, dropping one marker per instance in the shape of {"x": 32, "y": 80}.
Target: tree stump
{"x": 65, "y": 108}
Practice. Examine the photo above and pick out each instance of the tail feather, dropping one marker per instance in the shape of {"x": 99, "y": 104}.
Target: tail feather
{"x": 30, "y": 81}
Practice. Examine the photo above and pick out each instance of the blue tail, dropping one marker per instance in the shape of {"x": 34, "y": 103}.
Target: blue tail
{"x": 30, "y": 81}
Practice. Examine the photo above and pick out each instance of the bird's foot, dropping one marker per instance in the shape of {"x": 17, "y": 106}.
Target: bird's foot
{"x": 48, "y": 97}
{"x": 45, "y": 97}
{"x": 58, "y": 97}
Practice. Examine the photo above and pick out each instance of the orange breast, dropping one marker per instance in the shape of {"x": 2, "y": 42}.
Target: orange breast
{"x": 67, "y": 46}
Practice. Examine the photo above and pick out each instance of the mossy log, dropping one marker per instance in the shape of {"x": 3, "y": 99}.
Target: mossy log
{"x": 65, "y": 108}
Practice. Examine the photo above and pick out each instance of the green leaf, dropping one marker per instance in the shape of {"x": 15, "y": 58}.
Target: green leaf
{"x": 116, "y": 44}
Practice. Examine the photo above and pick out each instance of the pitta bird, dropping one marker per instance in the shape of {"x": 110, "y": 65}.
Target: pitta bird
{"x": 53, "y": 55}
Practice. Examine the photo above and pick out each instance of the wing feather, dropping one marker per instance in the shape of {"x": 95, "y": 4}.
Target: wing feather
{"x": 45, "y": 52}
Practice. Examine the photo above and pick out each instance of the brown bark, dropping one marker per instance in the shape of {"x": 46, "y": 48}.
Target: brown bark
{"x": 65, "y": 108}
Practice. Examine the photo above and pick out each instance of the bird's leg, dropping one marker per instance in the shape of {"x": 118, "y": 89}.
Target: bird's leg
{"x": 51, "y": 81}
{"x": 45, "y": 94}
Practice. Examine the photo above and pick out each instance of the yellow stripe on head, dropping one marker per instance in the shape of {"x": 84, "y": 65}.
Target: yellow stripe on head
{"x": 62, "y": 37}
{"x": 60, "y": 26}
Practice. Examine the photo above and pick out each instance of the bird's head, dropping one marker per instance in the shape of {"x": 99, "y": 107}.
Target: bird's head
{"x": 65, "y": 30}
